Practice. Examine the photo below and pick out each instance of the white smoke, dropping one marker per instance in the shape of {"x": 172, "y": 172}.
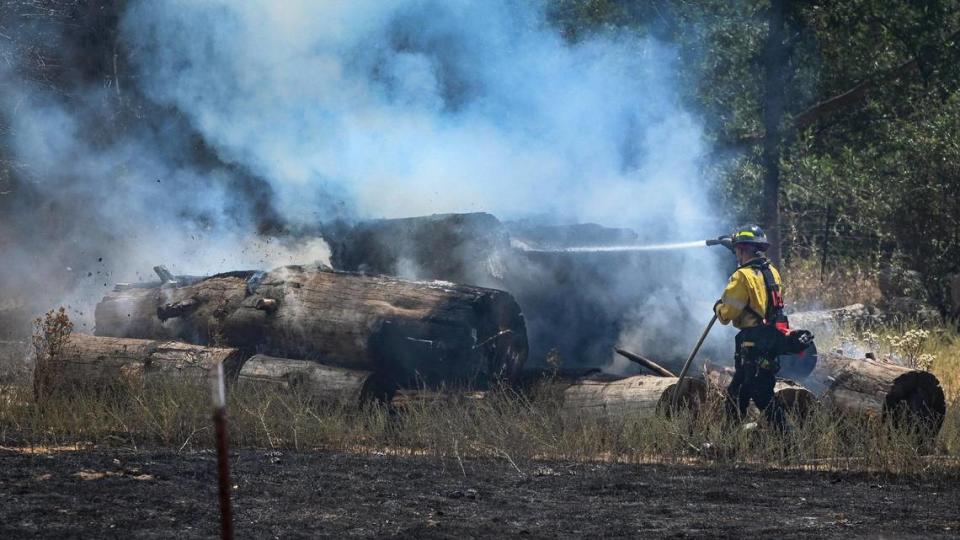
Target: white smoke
{"x": 380, "y": 108}
{"x": 412, "y": 107}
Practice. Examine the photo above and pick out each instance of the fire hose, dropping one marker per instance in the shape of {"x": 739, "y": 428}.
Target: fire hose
{"x": 686, "y": 366}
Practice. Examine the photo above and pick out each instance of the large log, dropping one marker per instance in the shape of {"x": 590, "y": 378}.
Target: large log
{"x": 99, "y": 362}
{"x": 792, "y": 396}
{"x": 316, "y": 381}
{"x": 413, "y": 332}
{"x": 909, "y": 397}
{"x": 640, "y": 396}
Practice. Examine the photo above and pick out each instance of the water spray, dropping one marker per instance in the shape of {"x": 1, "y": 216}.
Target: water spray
{"x": 725, "y": 241}
{"x": 621, "y": 248}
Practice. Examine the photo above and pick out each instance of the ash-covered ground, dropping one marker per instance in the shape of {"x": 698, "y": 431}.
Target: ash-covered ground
{"x": 160, "y": 494}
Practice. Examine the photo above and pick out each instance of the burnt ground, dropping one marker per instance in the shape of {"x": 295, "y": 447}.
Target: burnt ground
{"x": 100, "y": 493}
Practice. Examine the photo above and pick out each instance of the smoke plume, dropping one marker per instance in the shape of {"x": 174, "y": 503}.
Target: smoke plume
{"x": 254, "y": 119}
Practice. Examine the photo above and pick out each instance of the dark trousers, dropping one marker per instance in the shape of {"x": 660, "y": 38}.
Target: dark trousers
{"x": 754, "y": 380}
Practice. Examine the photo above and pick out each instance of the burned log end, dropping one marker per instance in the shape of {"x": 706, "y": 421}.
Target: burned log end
{"x": 916, "y": 399}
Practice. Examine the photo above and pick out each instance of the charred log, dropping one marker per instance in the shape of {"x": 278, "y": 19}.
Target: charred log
{"x": 101, "y": 362}
{"x": 318, "y": 382}
{"x": 910, "y": 398}
{"x": 412, "y": 332}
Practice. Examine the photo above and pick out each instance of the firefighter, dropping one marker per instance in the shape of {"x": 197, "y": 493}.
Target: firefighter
{"x": 752, "y": 301}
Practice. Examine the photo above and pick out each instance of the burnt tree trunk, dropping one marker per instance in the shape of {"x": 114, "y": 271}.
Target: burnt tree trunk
{"x": 316, "y": 381}
{"x": 910, "y": 398}
{"x": 100, "y": 362}
{"x": 640, "y": 396}
{"x": 775, "y": 55}
{"x": 411, "y": 332}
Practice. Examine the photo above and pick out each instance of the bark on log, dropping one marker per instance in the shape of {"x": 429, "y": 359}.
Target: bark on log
{"x": 99, "y": 362}
{"x": 911, "y": 398}
{"x": 413, "y": 332}
{"x": 316, "y": 381}
{"x": 792, "y": 396}
{"x": 640, "y": 396}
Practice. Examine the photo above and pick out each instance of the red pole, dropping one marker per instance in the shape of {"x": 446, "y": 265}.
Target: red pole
{"x": 223, "y": 457}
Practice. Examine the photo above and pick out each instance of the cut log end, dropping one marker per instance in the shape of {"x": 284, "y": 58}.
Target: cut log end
{"x": 916, "y": 399}
{"x": 797, "y": 400}
{"x": 693, "y": 394}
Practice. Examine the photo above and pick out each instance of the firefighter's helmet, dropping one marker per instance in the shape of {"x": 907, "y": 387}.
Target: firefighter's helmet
{"x": 751, "y": 234}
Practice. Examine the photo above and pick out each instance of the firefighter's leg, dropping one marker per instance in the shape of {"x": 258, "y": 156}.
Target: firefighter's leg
{"x": 734, "y": 410}
{"x": 734, "y": 405}
{"x": 762, "y": 390}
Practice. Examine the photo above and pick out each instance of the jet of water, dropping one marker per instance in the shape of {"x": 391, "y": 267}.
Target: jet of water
{"x": 601, "y": 249}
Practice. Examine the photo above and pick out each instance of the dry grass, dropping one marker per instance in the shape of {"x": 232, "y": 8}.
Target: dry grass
{"x": 518, "y": 428}
{"x": 506, "y": 425}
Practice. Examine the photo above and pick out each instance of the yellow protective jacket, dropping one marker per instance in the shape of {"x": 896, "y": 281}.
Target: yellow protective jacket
{"x": 745, "y": 288}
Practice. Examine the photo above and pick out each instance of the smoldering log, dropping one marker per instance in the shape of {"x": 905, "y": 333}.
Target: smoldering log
{"x": 473, "y": 245}
{"x": 99, "y": 362}
{"x": 314, "y": 380}
{"x": 575, "y": 303}
{"x": 791, "y": 395}
{"x": 909, "y": 397}
{"x": 640, "y": 396}
{"x": 415, "y": 332}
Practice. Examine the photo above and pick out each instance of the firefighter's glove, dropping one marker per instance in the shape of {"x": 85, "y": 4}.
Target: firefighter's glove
{"x": 716, "y": 306}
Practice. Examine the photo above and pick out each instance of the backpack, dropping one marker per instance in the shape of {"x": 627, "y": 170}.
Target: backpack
{"x": 793, "y": 349}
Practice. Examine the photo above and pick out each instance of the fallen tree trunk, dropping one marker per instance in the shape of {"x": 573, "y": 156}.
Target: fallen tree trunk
{"x": 640, "y": 396}
{"x": 792, "y": 396}
{"x": 412, "y": 332}
{"x": 909, "y": 397}
{"x": 316, "y": 381}
{"x": 99, "y": 362}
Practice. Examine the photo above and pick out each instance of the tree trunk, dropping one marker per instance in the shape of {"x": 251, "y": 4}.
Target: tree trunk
{"x": 99, "y": 362}
{"x": 774, "y": 79}
{"x": 793, "y": 397}
{"x": 317, "y": 381}
{"x": 909, "y": 397}
{"x": 640, "y": 396}
{"x": 411, "y": 332}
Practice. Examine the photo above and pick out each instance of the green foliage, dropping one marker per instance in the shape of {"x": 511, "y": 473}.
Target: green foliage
{"x": 872, "y": 180}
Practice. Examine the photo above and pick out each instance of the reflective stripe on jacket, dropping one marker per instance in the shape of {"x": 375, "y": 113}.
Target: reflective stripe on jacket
{"x": 745, "y": 288}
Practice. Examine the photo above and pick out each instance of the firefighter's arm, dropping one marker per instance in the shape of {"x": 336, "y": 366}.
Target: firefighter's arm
{"x": 734, "y": 300}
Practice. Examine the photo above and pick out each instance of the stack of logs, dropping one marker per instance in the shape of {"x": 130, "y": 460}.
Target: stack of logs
{"x": 340, "y": 336}
{"x": 350, "y": 337}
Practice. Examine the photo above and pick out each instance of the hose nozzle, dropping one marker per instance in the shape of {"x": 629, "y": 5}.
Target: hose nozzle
{"x": 725, "y": 241}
